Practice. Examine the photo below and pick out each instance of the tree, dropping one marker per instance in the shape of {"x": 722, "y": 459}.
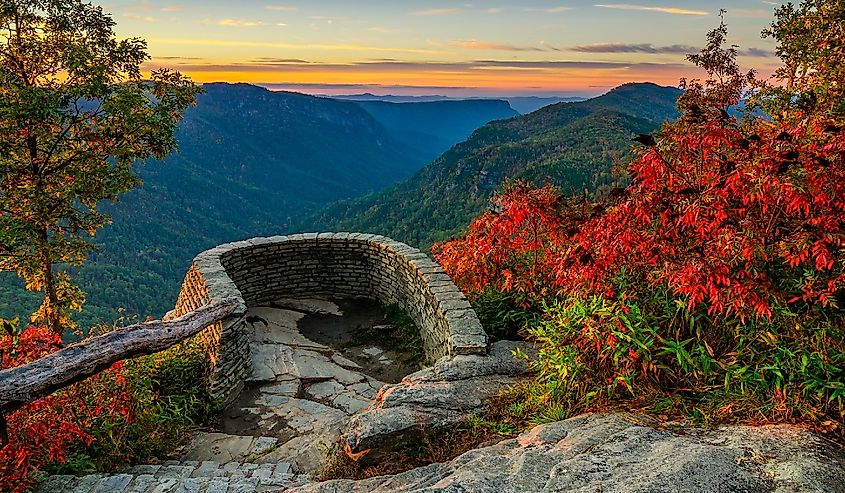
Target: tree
{"x": 75, "y": 116}
{"x": 811, "y": 45}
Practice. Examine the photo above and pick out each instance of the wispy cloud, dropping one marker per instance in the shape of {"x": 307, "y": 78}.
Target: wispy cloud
{"x": 278, "y": 61}
{"x": 647, "y": 8}
{"x": 393, "y": 66}
{"x": 282, "y": 8}
{"x": 431, "y": 12}
{"x": 756, "y": 52}
{"x": 472, "y": 44}
{"x": 177, "y": 58}
{"x": 291, "y": 46}
{"x": 634, "y": 48}
{"x": 139, "y": 17}
{"x": 238, "y": 23}
{"x": 649, "y": 48}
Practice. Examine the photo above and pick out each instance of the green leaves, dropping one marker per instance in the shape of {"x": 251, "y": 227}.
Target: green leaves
{"x": 75, "y": 116}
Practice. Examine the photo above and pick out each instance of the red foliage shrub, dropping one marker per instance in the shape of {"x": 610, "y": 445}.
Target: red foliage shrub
{"x": 720, "y": 268}
{"x": 740, "y": 219}
{"x": 507, "y": 248}
{"x": 49, "y": 429}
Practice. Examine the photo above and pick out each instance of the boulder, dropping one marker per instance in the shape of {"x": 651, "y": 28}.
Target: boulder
{"x": 441, "y": 395}
{"x": 620, "y": 453}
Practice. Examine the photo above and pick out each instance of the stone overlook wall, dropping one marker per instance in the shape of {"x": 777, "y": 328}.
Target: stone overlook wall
{"x": 339, "y": 265}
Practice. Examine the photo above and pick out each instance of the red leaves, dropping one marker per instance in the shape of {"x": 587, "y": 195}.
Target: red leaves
{"x": 706, "y": 217}
{"x": 508, "y": 249}
{"x": 46, "y": 430}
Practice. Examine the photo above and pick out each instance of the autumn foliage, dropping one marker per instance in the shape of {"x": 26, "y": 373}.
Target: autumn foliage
{"x": 720, "y": 268}
{"x": 136, "y": 411}
{"x": 48, "y": 430}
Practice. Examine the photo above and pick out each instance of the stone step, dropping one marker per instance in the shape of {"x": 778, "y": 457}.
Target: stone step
{"x": 182, "y": 477}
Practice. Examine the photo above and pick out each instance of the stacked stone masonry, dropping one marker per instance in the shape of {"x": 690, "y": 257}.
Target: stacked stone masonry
{"x": 333, "y": 265}
{"x": 183, "y": 477}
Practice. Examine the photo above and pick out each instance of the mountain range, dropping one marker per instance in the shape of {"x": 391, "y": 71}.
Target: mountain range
{"x": 430, "y": 128}
{"x": 521, "y": 104}
{"x": 251, "y": 162}
{"x": 254, "y": 162}
{"x": 571, "y": 145}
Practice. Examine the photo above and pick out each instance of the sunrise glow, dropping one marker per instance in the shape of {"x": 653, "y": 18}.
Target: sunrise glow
{"x": 507, "y": 47}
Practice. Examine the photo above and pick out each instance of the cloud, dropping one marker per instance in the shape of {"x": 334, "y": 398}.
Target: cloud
{"x": 756, "y": 52}
{"x": 281, "y": 8}
{"x": 291, "y": 46}
{"x": 648, "y": 48}
{"x": 278, "y": 61}
{"x": 176, "y": 58}
{"x": 238, "y": 23}
{"x": 139, "y": 17}
{"x": 431, "y": 12}
{"x": 635, "y": 48}
{"x": 665, "y": 10}
{"x": 473, "y": 44}
{"x": 571, "y": 64}
{"x": 389, "y": 66}
{"x": 318, "y": 86}
{"x": 494, "y": 10}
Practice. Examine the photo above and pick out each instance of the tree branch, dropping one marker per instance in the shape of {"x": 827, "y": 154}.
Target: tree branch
{"x": 24, "y": 384}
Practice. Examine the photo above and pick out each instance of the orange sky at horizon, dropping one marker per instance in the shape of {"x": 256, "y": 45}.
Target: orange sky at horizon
{"x": 565, "y": 48}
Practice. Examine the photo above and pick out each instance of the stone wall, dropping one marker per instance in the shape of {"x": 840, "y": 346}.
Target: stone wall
{"x": 339, "y": 265}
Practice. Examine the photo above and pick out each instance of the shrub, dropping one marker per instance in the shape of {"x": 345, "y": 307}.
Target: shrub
{"x": 135, "y": 411}
{"x": 171, "y": 401}
{"x": 48, "y": 430}
{"x": 719, "y": 270}
{"x": 503, "y": 315}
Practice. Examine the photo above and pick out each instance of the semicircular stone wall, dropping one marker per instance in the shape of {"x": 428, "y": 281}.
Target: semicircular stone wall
{"x": 336, "y": 265}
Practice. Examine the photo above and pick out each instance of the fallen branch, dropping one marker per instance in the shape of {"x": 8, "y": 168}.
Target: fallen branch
{"x": 24, "y": 384}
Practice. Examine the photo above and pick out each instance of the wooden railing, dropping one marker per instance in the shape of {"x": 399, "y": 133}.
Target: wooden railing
{"x": 23, "y": 384}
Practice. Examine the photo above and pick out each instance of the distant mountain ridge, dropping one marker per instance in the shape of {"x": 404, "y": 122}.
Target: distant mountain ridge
{"x": 572, "y": 145}
{"x": 522, "y": 104}
{"x": 432, "y": 127}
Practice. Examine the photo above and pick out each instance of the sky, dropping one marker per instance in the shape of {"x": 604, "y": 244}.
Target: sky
{"x": 415, "y": 47}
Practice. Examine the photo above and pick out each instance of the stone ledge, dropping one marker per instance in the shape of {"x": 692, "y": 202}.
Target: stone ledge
{"x": 343, "y": 265}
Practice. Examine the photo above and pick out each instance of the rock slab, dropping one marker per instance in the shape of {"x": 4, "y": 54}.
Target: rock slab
{"x": 618, "y": 453}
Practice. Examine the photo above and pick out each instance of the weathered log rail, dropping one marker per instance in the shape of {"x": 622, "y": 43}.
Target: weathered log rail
{"x": 24, "y": 384}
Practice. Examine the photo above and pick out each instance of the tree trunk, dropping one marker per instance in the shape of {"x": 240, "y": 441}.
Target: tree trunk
{"x": 51, "y": 297}
{"x": 24, "y": 384}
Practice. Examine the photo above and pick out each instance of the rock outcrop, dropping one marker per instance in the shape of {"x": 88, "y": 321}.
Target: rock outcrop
{"x": 616, "y": 453}
{"x": 440, "y": 395}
